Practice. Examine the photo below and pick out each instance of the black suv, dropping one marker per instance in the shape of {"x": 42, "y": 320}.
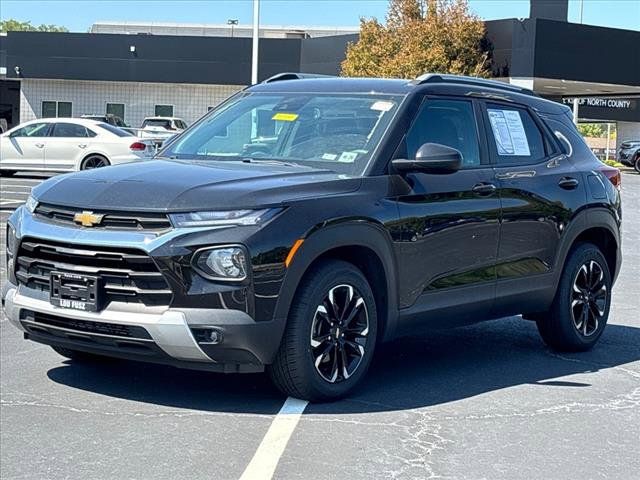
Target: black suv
{"x": 629, "y": 154}
{"x": 306, "y": 220}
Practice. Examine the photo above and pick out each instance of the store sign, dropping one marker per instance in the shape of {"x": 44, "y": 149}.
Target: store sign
{"x": 607, "y": 109}
{"x": 601, "y": 102}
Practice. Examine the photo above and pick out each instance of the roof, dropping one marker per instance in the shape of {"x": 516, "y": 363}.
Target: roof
{"x": 80, "y": 121}
{"x": 337, "y": 84}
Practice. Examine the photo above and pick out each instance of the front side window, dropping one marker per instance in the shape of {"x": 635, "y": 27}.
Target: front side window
{"x": 331, "y": 131}
{"x": 32, "y": 130}
{"x": 69, "y": 130}
{"x": 514, "y": 135}
{"x": 447, "y": 122}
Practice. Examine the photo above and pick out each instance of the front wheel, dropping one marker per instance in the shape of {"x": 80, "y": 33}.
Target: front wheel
{"x": 330, "y": 336}
{"x": 581, "y": 307}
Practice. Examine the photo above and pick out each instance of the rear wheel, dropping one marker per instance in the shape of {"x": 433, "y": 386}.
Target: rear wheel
{"x": 330, "y": 336}
{"x": 580, "y": 309}
{"x": 94, "y": 161}
{"x": 76, "y": 355}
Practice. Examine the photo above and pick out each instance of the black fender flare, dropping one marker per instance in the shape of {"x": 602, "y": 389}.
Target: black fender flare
{"x": 591, "y": 217}
{"x": 348, "y": 233}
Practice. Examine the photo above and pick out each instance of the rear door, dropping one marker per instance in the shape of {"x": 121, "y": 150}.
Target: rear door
{"x": 66, "y": 146}
{"x": 449, "y": 223}
{"x": 24, "y": 147}
{"x": 540, "y": 190}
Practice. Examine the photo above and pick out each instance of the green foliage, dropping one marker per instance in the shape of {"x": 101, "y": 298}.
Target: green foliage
{"x": 12, "y": 25}
{"x": 592, "y": 130}
{"x": 420, "y": 36}
{"x": 613, "y": 163}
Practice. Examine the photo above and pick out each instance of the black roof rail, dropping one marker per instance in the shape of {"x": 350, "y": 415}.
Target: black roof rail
{"x": 474, "y": 81}
{"x": 293, "y": 76}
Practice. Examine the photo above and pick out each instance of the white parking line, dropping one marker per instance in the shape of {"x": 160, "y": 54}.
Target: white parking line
{"x": 264, "y": 462}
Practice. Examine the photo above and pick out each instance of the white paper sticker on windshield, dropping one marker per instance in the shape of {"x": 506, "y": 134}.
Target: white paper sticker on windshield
{"x": 348, "y": 157}
{"x": 508, "y": 132}
{"x": 382, "y": 106}
{"x": 329, "y": 156}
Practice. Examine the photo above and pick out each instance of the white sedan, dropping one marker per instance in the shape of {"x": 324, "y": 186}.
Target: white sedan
{"x": 68, "y": 144}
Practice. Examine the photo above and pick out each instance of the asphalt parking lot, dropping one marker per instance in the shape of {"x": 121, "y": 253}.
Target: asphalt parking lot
{"x": 482, "y": 402}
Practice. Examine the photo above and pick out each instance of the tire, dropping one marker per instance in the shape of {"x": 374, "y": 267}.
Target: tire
{"x": 76, "y": 355}
{"x": 94, "y": 161}
{"x": 7, "y": 173}
{"x": 636, "y": 164}
{"x": 300, "y": 369}
{"x": 563, "y": 327}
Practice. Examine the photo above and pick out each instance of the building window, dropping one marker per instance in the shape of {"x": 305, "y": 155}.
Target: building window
{"x": 164, "y": 111}
{"x": 116, "y": 109}
{"x": 56, "y": 109}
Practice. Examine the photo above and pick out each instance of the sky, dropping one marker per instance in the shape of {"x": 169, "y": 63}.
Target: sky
{"x": 79, "y": 15}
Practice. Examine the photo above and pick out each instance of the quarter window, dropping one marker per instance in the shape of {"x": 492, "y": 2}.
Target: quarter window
{"x": 447, "y": 122}
{"x": 514, "y": 135}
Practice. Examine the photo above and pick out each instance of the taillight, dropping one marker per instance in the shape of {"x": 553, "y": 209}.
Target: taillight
{"x": 138, "y": 146}
{"x": 614, "y": 176}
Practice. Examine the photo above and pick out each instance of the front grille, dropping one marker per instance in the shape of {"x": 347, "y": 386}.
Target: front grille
{"x": 111, "y": 220}
{"x": 128, "y": 275}
{"x": 85, "y": 326}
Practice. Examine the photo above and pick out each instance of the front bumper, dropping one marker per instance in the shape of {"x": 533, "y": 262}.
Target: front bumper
{"x": 245, "y": 344}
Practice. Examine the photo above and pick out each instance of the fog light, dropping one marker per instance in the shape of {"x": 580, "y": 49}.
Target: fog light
{"x": 207, "y": 335}
{"x": 222, "y": 263}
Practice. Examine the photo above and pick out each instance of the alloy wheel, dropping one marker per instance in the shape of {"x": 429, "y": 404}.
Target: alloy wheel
{"x": 339, "y": 333}
{"x": 94, "y": 162}
{"x": 588, "y": 298}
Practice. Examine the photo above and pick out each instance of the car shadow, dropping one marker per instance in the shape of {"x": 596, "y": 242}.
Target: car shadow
{"x": 412, "y": 372}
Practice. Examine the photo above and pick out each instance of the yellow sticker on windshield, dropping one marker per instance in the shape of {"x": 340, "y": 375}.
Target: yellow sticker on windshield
{"x": 285, "y": 117}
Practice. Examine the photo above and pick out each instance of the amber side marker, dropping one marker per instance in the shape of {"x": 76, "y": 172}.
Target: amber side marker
{"x": 293, "y": 251}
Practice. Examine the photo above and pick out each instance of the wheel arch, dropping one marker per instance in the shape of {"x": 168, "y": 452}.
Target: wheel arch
{"x": 598, "y": 226}
{"x": 364, "y": 244}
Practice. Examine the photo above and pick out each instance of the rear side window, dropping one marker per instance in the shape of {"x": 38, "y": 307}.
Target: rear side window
{"x": 514, "y": 135}
{"x": 69, "y": 130}
{"x": 447, "y": 122}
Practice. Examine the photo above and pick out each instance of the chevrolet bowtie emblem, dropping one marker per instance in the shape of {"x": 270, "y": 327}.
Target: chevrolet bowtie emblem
{"x": 88, "y": 219}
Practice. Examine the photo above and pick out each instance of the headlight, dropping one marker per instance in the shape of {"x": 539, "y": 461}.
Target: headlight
{"x": 228, "y": 263}
{"x": 230, "y": 217}
{"x": 12, "y": 240}
{"x": 31, "y": 204}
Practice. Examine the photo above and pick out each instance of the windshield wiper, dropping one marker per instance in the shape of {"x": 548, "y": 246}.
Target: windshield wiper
{"x": 272, "y": 161}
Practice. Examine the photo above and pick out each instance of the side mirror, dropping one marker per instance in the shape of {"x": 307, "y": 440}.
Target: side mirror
{"x": 431, "y": 158}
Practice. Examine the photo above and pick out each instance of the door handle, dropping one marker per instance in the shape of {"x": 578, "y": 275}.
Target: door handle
{"x": 40, "y": 145}
{"x": 83, "y": 145}
{"x": 568, "y": 183}
{"x": 484, "y": 189}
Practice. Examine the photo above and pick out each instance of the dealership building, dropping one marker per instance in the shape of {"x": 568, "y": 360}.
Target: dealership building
{"x": 140, "y": 69}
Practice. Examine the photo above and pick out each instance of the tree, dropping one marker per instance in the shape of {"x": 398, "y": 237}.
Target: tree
{"x": 420, "y": 36}
{"x": 591, "y": 130}
{"x": 12, "y": 25}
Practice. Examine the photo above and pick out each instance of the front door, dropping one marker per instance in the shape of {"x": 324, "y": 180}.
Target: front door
{"x": 449, "y": 223}
{"x": 24, "y": 147}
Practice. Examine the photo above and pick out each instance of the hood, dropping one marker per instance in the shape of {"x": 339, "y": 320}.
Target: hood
{"x": 164, "y": 185}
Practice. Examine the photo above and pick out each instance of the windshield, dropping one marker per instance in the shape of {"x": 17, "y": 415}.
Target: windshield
{"x": 330, "y": 131}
